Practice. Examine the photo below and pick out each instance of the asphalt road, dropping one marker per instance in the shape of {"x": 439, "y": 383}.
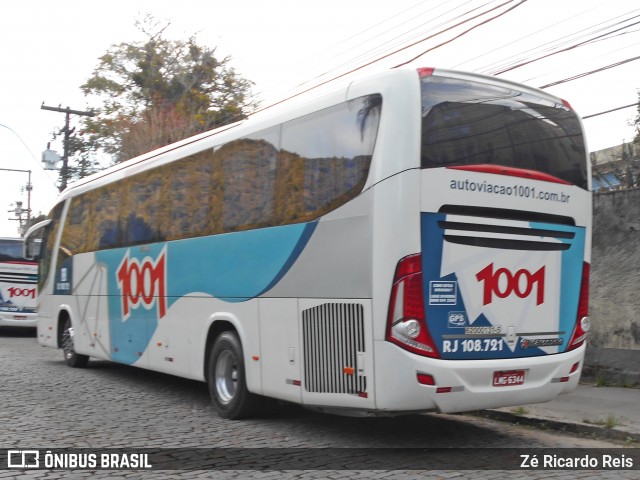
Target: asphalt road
{"x": 45, "y": 404}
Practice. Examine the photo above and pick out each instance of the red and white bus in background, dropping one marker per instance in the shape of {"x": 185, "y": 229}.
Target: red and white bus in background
{"x": 18, "y": 285}
{"x": 418, "y": 240}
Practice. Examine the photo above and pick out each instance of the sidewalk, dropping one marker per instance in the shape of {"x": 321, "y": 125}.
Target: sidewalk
{"x": 610, "y": 412}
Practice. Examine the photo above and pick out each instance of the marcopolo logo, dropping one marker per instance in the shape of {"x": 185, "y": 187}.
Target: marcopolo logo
{"x": 143, "y": 283}
{"x": 503, "y": 283}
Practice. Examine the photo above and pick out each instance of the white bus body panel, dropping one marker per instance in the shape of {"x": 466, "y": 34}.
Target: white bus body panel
{"x": 470, "y": 381}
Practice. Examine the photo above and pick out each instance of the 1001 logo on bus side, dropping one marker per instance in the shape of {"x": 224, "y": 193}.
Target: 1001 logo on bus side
{"x": 143, "y": 283}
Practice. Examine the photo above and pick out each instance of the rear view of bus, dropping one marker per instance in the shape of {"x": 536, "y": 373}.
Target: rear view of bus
{"x": 18, "y": 290}
{"x": 493, "y": 310}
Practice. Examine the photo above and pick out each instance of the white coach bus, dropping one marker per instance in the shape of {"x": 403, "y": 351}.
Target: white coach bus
{"x": 18, "y": 282}
{"x": 415, "y": 241}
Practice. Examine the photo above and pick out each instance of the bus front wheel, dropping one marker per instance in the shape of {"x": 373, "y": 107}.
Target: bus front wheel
{"x": 227, "y": 380}
{"x": 73, "y": 359}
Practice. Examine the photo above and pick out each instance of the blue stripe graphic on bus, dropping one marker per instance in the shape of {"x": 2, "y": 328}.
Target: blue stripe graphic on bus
{"x": 235, "y": 266}
{"x": 500, "y": 300}
{"x": 572, "y": 265}
{"x": 145, "y": 281}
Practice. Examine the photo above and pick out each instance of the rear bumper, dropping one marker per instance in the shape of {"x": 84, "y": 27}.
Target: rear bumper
{"x": 8, "y": 319}
{"x": 464, "y": 385}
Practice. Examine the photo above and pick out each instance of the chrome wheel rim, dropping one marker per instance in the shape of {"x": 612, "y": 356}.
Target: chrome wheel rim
{"x": 226, "y": 377}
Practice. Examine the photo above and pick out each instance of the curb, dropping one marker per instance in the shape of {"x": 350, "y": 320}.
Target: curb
{"x": 581, "y": 429}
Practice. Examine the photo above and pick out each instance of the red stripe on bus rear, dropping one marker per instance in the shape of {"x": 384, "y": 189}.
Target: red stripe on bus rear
{"x": 511, "y": 172}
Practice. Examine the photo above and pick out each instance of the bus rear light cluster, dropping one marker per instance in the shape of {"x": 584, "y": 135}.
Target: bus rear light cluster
{"x": 574, "y": 369}
{"x": 583, "y": 324}
{"x": 425, "y": 379}
{"x": 406, "y": 324}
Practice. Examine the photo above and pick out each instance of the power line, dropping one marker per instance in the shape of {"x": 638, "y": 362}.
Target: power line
{"x": 429, "y": 37}
{"x": 584, "y": 74}
{"x": 466, "y": 31}
{"x": 21, "y": 140}
{"x": 583, "y": 34}
{"x": 378, "y": 59}
{"x": 387, "y": 50}
{"x": 598, "y": 32}
{"x": 609, "y": 111}
{"x": 403, "y": 38}
{"x": 552, "y": 52}
{"x": 573, "y": 17}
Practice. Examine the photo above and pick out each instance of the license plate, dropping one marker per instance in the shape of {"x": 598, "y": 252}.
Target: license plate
{"x": 508, "y": 379}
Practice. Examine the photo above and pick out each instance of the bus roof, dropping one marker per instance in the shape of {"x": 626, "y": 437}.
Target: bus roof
{"x": 325, "y": 96}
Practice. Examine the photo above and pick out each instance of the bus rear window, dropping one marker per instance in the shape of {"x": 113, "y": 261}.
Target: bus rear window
{"x": 469, "y": 123}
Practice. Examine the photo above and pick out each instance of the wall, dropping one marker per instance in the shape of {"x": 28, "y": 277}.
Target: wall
{"x": 614, "y": 347}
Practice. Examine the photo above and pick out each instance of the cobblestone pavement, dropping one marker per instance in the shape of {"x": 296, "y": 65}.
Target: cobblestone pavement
{"x": 44, "y": 404}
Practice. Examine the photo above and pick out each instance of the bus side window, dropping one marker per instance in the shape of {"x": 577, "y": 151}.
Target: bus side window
{"x": 48, "y": 241}
{"x": 329, "y": 153}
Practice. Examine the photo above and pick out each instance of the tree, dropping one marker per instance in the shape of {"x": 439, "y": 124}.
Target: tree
{"x": 159, "y": 91}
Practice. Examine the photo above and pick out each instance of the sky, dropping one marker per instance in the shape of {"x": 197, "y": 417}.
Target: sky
{"x": 49, "y": 49}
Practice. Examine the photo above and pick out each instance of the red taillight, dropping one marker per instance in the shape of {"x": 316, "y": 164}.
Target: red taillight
{"x": 406, "y": 325}
{"x": 567, "y": 104}
{"x": 581, "y": 329}
{"x": 426, "y": 71}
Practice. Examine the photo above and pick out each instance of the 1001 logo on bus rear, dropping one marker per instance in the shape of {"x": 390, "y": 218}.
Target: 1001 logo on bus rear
{"x": 22, "y": 292}
{"x": 143, "y": 283}
{"x": 502, "y": 283}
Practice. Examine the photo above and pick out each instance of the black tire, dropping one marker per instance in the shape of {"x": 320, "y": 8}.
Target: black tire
{"x": 71, "y": 358}
{"x": 227, "y": 380}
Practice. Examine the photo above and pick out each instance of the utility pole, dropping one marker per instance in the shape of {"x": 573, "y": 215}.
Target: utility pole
{"x": 64, "y": 172}
{"x": 18, "y": 211}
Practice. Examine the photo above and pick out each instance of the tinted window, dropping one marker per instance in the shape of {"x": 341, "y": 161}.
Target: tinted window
{"x": 466, "y": 123}
{"x": 107, "y": 210}
{"x": 141, "y": 212}
{"x": 326, "y": 156}
{"x": 256, "y": 181}
{"x": 77, "y": 228}
{"x": 48, "y": 240}
{"x": 249, "y": 171}
{"x": 11, "y": 250}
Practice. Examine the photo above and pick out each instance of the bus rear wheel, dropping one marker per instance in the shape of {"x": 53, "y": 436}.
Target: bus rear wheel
{"x": 73, "y": 359}
{"x": 227, "y": 380}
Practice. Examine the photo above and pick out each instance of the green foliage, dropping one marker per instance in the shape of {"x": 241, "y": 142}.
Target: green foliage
{"x": 610, "y": 422}
{"x": 519, "y": 411}
{"x": 158, "y": 91}
{"x": 601, "y": 381}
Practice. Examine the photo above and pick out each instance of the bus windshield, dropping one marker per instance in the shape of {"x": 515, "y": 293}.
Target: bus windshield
{"x": 469, "y": 123}
{"x": 11, "y": 249}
